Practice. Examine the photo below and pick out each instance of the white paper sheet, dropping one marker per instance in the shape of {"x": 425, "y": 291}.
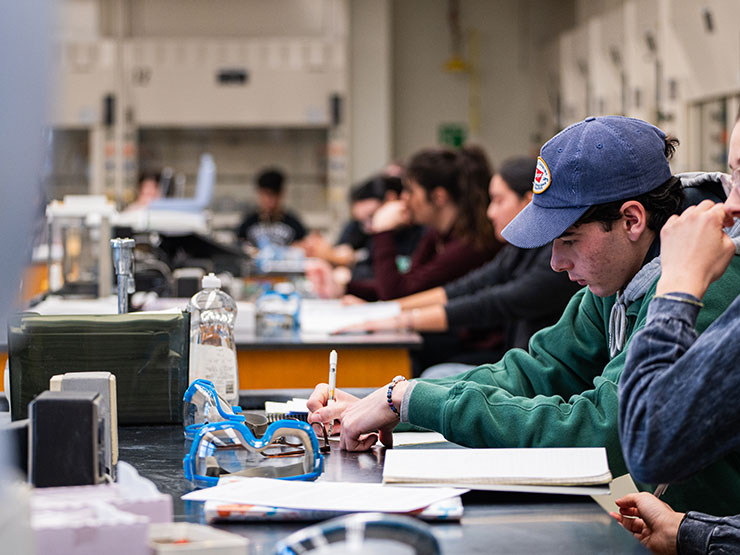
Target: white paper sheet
{"x": 297, "y": 404}
{"x": 325, "y": 496}
{"x": 328, "y": 316}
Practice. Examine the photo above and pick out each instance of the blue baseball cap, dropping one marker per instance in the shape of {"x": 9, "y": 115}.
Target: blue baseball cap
{"x": 597, "y": 160}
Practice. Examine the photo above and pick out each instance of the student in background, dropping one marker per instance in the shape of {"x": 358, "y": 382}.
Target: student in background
{"x": 353, "y": 249}
{"x": 271, "y": 223}
{"x": 517, "y": 290}
{"x": 147, "y": 190}
{"x": 603, "y": 189}
{"x": 447, "y": 191}
{"x": 679, "y": 392}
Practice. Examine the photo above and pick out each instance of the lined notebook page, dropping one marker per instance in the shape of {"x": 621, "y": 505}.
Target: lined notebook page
{"x": 534, "y": 466}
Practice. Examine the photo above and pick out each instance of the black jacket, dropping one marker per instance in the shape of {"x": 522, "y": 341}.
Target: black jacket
{"x": 517, "y": 290}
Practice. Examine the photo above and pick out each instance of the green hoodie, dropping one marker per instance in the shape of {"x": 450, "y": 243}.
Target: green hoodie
{"x": 563, "y": 393}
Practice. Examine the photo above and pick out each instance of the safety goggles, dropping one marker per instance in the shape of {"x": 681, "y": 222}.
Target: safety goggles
{"x": 288, "y": 450}
{"x": 203, "y": 405}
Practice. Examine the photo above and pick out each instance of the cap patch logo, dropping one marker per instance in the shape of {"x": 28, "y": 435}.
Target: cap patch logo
{"x": 542, "y": 178}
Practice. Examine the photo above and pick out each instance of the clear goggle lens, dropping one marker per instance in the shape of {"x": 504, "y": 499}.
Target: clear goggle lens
{"x": 203, "y": 405}
{"x": 288, "y": 450}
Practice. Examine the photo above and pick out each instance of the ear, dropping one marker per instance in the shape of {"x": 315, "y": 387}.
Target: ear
{"x": 635, "y": 219}
{"x": 528, "y": 197}
{"x": 439, "y": 197}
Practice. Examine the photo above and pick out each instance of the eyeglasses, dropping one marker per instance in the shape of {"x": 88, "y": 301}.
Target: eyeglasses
{"x": 288, "y": 450}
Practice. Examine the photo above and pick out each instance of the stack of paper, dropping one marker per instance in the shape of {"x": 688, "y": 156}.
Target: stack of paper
{"x": 294, "y": 408}
{"x": 323, "y": 496}
{"x": 582, "y": 471}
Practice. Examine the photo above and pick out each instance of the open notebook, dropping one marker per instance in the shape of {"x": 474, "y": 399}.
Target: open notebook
{"x": 531, "y": 469}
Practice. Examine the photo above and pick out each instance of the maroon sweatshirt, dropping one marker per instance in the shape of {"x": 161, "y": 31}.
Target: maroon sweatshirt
{"x": 436, "y": 261}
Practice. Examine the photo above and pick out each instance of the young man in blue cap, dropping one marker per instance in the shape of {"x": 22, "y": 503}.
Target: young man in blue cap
{"x": 603, "y": 189}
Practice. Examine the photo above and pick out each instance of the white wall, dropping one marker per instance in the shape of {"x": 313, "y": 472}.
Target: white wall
{"x": 370, "y": 97}
{"x": 511, "y": 78}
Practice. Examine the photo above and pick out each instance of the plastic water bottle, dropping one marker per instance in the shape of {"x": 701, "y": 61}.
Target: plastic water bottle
{"x": 212, "y": 345}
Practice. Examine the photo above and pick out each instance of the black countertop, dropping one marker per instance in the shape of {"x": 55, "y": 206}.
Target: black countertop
{"x": 493, "y": 522}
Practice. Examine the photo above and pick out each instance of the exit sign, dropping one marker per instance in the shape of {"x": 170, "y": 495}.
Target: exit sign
{"x": 452, "y": 135}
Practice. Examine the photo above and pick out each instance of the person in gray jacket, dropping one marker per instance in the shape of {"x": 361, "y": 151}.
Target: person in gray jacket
{"x": 678, "y": 392}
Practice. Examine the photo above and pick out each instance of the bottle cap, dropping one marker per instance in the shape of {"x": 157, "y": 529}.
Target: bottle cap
{"x": 211, "y": 281}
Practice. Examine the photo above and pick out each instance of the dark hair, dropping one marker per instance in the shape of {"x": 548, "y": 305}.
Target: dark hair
{"x": 660, "y": 203}
{"x": 518, "y": 173}
{"x": 737, "y": 116}
{"x": 271, "y": 180}
{"x": 375, "y": 188}
{"x": 144, "y": 176}
{"x": 392, "y": 183}
{"x": 465, "y": 175}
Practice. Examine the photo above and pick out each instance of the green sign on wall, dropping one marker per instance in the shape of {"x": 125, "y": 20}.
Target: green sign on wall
{"x": 451, "y": 135}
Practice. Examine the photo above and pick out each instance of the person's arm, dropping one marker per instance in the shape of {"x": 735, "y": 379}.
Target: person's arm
{"x": 428, "y": 271}
{"x": 492, "y": 273}
{"x": 531, "y": 291}
{"x": 700, "y": 533}
{"x": 651, "y": 521}
{"x": 316, "y": 246}
{"x": 365, "y": 289}
{"x": 562, "y": 392}
{"x": 675, "y": 414}
{"x": 433, "y": 296}
{"x": 516, "y": 284}
{"x": 429, "y": 318}
{"x": 672, "y": 422}
{"x": 665, "y": 531}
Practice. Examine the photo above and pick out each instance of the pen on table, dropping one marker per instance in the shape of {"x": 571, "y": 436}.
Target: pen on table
{"x": 332, "y": 382}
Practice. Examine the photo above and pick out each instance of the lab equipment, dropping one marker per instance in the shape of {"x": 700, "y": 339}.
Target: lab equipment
{"x": 123, "y": 260}
{"x": 277, "y": 311}
{"x": 363, "y": 533}
{"x": 14, "y": 438}
{"x": 277, "y": 259}
{"x": 212, "y": 344}
{"x": 203, "y": 405}
{"x": 203, "y": 190}
{"x": 81, "y": 225}
{"x": 65, "y": 439}
{"x": 103, "y": 383}
{"x": 288, "y": 450}
{"x": 147, "y": 352}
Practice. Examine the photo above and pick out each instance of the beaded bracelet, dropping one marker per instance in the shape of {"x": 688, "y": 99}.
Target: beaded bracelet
{"x": 671, "y": 297}
{"x": 390, "y": 391}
